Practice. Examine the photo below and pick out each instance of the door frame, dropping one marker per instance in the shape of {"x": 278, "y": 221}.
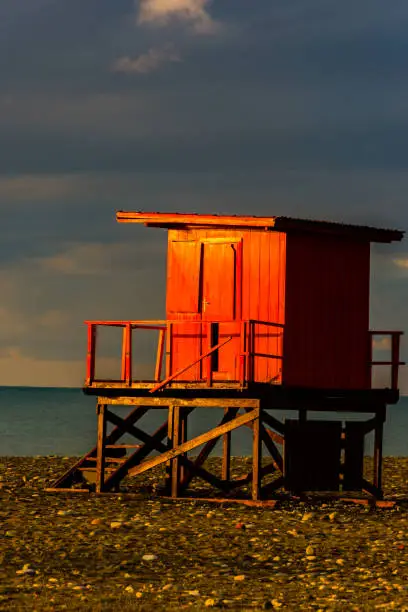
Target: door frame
{"x": 237, "y": 306}
{"x": 238, "y": 270}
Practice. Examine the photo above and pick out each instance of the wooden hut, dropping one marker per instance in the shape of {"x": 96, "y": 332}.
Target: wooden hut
{"x": 261, "y": 313}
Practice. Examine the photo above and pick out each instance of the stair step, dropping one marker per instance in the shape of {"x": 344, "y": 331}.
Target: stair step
{"x": 94, "y": 469}
{"x": 110, "y": 459}
{"x": 123, "y": 446}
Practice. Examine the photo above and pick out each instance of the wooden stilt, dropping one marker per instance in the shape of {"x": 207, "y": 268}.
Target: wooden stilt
{"x": 256, "y": 458}
{"x": 184, "y": 412}
{"x": 206, "y": 450}
{"x": 378, "y": 451}
{"x": 170, "y": 423}
{"x": 100, "y": 448}
{"x": 226, "y": 451}
{"x": 175, "y": 462}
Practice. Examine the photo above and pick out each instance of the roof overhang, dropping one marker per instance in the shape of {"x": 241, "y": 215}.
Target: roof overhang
{"x": 279, "y": 224}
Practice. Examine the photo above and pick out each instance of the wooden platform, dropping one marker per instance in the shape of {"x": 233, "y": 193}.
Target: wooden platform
{"x": 294, "y": 449}
{"x": 277, "y": 397}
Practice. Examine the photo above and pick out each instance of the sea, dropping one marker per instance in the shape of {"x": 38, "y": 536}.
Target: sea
{"x": 62, "y": 422}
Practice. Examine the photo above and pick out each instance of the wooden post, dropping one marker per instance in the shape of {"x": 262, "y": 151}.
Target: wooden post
{"x": 395, "y": 351}
{"x": 183, "y": 437}
{"x": 226, "y": 451}
{"x": 169, "y": 342}
{"x": 123, "y": 363}
{"x": 90, "y": 361}
{"x": 256, "y": 458}
{"x": 175, "y": 462}
{"x": 370, "y": 361}
{"x": 378, "y": 449}
{"x": 252, "y": 351}
{"x": 159, "y": 358}
{"x": 302, "y": 415}
{"x": 100, "y": 448}
{"x": 242, "y": 357}
{"x": 127, "y": 354}
{"x": 209, "y": 359}
{"x": 170, "y": 424}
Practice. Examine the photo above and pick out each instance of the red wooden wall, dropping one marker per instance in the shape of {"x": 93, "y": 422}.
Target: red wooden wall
{"x": 318, "y": 286}
{"x": 237, "y": 274}
{"x": 327, "y": 312}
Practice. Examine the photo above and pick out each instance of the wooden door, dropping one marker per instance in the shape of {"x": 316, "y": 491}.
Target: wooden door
{"x": 184, "y": 308}
{"x": 220, "y": 298}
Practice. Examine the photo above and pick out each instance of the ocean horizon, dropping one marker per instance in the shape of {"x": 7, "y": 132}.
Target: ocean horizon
{"x": 43, "y": 421}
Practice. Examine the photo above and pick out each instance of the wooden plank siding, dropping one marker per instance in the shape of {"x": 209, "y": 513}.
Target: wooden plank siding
{"x": 327, "y": 312}
{"x": 182, "y": 303}
{"x": 263, "y": 297}
{"x": 259, "y": 294}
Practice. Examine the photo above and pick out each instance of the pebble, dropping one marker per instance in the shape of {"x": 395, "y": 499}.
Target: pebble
{"x": 239, "y": 578}
{"x": 307, "y": 516}
{"x": 116, "y": 524}
{"x": 129, "y": 589}
{"x": 210, "y": 603}
{"x": 149, "y": 557}
{"x": 26, "y": 571}
{"x": 310, "y": 550}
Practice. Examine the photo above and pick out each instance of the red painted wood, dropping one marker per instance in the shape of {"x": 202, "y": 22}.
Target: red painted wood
{"x": 90, "y": 358}
{"x": 327, "y": 312}
{"x": 280, "y": 224}
{"x": 263, "y": 297}
{"x": 183, "y": 282}
{"x": 183, "y": 277}
{"x": 219, "y": 297}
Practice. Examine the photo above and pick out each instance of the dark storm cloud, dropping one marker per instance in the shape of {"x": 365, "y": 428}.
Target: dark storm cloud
{"x": 289, "y": 108}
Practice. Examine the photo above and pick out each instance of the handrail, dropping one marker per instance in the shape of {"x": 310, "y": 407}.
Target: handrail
{"x": 395, "y": 354}
{"x": 163, "y": 383}
{"x": 246, "y": 332}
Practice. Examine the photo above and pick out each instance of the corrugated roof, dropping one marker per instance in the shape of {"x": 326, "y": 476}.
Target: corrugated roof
{"x": 279, "y": 223}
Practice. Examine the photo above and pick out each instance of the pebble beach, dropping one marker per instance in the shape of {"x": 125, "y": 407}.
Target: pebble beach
{"x": 85, "y": 552}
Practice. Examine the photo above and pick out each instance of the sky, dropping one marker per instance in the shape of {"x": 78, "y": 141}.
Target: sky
{"x": 264, "y": 107}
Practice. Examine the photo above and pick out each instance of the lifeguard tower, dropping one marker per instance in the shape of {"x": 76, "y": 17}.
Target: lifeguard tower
{"x": 263, "y": 313}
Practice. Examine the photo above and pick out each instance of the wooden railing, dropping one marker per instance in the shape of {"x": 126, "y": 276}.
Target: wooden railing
{"x": 127, "y": 345}
{"x": 394, "y": 362}
{"x": 247, "y": 333}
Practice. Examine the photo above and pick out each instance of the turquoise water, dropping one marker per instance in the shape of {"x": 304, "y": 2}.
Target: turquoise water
{"x": 39, "y": 421}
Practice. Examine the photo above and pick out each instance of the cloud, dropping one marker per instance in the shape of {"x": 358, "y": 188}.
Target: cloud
{"x": 401, "y": 262}
{"x": 98, "y": 259}
{"x": 192, "y": 12}
{"x": 146, "y": 62}
{"x": 382, "y": 344}
{"x": 23, "y": 187}
{"x": 17, "y": 368}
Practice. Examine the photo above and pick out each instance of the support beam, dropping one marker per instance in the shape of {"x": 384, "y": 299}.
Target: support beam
{"x": 206, "y": 450}
{"x": 100, "y": 448}
{"x": 202, "y": 439}
{"x": 378, "y": 450}
{"x": 150, "y": 444}
{"x": 175, "y": 462}
{"x": 226, "y": 451}
{"x": 256, "y": 459}
{"x": 184, "y": 413}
